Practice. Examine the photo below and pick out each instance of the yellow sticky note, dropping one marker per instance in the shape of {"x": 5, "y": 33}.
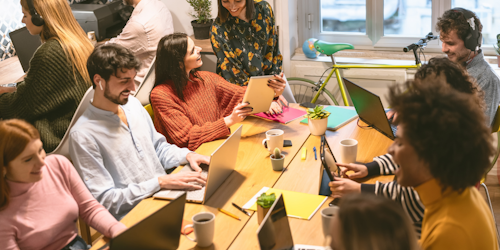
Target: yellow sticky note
{"x": 304, "y": 153}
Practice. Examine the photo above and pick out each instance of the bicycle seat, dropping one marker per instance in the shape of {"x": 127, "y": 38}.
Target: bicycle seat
{"x": 331, "y": 48}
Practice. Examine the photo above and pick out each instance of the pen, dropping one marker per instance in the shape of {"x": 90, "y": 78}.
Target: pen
{"x": 315, "y": 156}
{"x": 228, "y": 213}
{"x": 241, "y": 209}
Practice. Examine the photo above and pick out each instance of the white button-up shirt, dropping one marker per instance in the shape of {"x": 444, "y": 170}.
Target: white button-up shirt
{"x": 149, "y": 22}
{"x": 121, "y": 164}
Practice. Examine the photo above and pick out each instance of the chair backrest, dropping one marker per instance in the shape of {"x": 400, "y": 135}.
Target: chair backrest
{"x": 63, "y": 147}
{"x": 147, "y": 85}
{"x": 495, "y": 127}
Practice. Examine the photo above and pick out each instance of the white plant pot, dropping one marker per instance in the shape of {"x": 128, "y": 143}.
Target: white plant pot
{"x": 318, "y": 127}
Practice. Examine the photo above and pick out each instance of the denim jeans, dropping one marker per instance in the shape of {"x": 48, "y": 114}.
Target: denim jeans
{"x": 76, "y": 244}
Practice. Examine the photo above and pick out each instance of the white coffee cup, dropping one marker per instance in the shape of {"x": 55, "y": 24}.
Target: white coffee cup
{"x": 203, "y": 225}
{"x": 274, "y": 139}
{"x": 327, "y": 215}
{"x": 348, "y": 150}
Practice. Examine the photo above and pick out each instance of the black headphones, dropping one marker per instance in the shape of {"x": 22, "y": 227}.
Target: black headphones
{"x": 36, "y": 19}
{"x": 474, "y": 38}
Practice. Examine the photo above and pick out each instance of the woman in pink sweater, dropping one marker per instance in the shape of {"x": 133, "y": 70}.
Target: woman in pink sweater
{"x": 42, "y": 197}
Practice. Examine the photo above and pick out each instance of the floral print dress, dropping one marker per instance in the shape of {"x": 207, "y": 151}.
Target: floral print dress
{"x": 247, "y": 49}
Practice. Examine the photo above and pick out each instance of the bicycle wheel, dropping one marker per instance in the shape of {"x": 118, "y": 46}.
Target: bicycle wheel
{"x": 304, "y": 90}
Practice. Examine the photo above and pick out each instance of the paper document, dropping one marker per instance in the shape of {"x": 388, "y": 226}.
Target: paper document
{"x": 297, "y": 205}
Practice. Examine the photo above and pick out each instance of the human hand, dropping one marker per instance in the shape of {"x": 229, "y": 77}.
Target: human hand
{"x": 275, "y": 109}
{"x": 391, "y": 114}
{"x": 182, "y": 181}
{"x": 195, "y": 160}
{"x": 360, "y": 170}
{"x": 277, "y": 84}
{"x": 343, "y": 186}
{"x": 240, "y": 112}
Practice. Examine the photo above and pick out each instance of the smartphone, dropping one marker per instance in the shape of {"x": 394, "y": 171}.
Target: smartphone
{"x": 287, "y": 143}
{"x": 335, "y": 202}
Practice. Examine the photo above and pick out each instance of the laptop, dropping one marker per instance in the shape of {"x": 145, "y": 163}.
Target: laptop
{"x": 222, "y": 164}
{"x": 25, "y": 45}
{"x": 370, "y": 109}
{"x": 274, "y": 232}
{"x": 160, "y": 230}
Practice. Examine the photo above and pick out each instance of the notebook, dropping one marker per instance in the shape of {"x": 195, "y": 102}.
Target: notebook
{"x": 339, "y": 116}
{"x": 298, "y": 205}
{"x": 289, "y": 114}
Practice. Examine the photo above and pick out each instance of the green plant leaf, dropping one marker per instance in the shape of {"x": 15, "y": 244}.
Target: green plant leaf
{"x": 266, "y": 201}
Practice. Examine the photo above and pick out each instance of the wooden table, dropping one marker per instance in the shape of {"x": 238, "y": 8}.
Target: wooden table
{"x": 11, "y": 70}
{"x": 254, "y": 171}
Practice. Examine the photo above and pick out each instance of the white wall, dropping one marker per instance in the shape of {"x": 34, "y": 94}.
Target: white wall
{"x": 180, "y": 10}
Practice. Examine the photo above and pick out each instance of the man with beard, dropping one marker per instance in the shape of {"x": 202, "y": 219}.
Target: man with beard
{"x": 460, "y": 34}
{"x": 114, "y": 145}
{"x": 149, "y": 22}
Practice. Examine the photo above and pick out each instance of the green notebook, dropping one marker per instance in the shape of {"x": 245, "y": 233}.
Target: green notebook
{"x": 339, "y": 116}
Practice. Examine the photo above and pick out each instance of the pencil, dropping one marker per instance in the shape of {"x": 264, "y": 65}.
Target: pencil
{"x": 229, "y": 214}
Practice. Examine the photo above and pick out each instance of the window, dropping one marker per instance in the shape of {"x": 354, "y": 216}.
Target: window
{"x": 388, "y": 24}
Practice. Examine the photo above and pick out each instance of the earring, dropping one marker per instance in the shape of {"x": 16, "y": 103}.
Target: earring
{"x": 100, "y": 85}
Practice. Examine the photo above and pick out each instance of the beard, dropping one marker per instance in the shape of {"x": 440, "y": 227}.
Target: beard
{"x": 115, "y": 98}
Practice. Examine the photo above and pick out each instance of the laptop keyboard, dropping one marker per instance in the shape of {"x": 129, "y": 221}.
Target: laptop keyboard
{"x": 195, "y": 195}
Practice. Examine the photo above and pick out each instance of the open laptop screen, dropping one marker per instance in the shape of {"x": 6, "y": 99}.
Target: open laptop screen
{"x": 25, "y": 45}
{"x": 274, "y": 232}
{"x": 369, "y": 108}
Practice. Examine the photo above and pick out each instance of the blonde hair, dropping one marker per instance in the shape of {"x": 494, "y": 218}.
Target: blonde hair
{"x": 61, "y": 25}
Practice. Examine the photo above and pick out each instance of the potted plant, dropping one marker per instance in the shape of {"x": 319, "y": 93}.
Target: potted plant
{"x": 264, "y": 203}
{"x": 203, "y": 20}
{"x": 278, "y": 160}
{"x": 318, "y": 120}
{"x": 497, "y": 49}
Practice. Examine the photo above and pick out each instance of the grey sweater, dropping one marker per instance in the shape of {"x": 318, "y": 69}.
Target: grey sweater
{"x": 489, "y": 82}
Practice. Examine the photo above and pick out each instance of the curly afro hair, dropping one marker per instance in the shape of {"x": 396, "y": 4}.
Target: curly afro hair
{"x": 447, "y": 129}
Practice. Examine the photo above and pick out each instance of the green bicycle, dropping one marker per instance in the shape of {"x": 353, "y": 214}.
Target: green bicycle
{"x": 309, "y": 93}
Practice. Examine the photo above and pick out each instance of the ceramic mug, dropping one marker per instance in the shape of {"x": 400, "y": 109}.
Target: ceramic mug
{"x": 274, "y": 139}
{"x": 348, "y": 150}
{"x": 203, "y": 225}
{"x": 327, "y": 215}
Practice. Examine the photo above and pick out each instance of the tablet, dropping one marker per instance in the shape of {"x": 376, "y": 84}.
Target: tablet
{"x": 258, "y": 94}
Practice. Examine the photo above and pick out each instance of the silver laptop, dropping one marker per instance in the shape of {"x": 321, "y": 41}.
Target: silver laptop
{"x": 160, "y": 230}
{"x": 274, "y": 232}
{"x": 222, "y": 164}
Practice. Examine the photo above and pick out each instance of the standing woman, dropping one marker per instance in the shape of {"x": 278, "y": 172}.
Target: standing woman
{"x": 42, "y": 197}
{"x": 245, "y": 40}
{"x": 57, "y": 78}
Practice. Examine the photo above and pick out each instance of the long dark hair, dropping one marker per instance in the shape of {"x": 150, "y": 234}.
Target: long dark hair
{"x": 169, "y": 63}
{"x": 223, "y": 13}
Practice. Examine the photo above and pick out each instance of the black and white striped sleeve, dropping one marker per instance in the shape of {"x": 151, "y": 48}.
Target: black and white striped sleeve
{"x": 407, "y": 197}
{"x": 382, "y": 165}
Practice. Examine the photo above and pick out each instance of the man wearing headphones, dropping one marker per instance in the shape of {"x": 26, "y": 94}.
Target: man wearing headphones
{"x": 460, "y": 33}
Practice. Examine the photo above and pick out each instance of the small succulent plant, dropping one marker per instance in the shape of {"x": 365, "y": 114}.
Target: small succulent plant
{"x": 497, "y": 46}
{"x": 277, "y": 153}
{"x": 317, "y": 113}
{"x": 266, "y": 201}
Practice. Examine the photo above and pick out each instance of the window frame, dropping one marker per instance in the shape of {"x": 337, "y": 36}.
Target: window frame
{"x": 309, "y": 25}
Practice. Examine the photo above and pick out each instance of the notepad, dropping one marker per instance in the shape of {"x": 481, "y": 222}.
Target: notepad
{"x": 339, "y": 116}
{"x": 288, "y": 115}
{"x": 298, "y": 205}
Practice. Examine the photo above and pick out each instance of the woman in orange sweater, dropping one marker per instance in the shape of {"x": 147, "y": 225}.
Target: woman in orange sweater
{"x": 192, "y": 107}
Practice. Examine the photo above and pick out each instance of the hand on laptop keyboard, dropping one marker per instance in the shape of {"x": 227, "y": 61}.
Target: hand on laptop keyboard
{"x": 184, "y": 180}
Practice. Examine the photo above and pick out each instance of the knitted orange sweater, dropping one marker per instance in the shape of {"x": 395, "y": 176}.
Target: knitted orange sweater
{"x": 200, "y": 117}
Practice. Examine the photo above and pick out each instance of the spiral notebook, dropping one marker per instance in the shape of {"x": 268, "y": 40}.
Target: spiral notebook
{"x": 289, "y": 114}
{"x": 339, "y": 116}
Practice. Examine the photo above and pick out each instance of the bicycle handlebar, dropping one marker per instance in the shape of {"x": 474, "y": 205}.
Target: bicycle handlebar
{"x": 421, "y": 43}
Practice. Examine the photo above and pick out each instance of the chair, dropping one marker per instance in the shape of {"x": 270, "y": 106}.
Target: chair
{"x": 495, "y": 128}
{"x": 150, "y": 111}
{"x": 63, "y": 147}
{"x": 146, "y": 86}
